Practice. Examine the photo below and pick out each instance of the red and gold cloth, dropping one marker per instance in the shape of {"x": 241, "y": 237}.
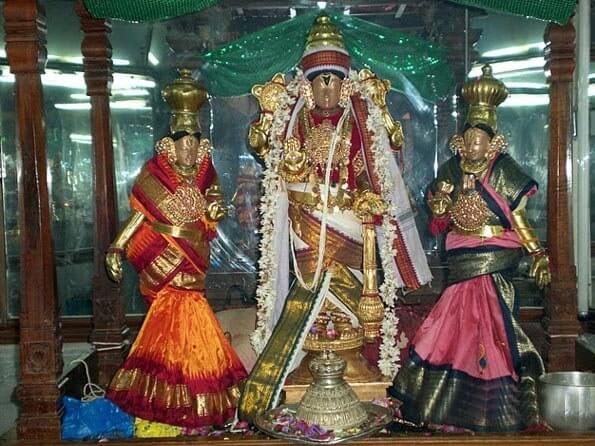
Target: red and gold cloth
{"x": 181, "y": 369}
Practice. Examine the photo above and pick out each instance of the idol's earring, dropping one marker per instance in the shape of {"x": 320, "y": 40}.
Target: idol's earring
{"x": 345, "y": 93}
{"x": 166, "y": 146}
{"x": 307, "y": 93}
{"x": 498, "y": 144}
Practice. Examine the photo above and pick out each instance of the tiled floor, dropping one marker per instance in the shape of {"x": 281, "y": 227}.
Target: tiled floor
{"x": 9, "y": 371}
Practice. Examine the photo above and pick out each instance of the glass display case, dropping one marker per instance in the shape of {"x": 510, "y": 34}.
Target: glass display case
{"x": 145, "y": 56}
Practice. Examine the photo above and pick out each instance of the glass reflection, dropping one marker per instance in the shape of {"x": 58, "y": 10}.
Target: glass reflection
{"x": 138, "y": 120}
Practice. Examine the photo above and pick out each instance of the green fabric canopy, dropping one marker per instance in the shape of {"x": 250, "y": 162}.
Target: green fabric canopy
{"x": 145, "y": 10}
{"x": 413, "y": 65}
{"x": 558, "y": 11}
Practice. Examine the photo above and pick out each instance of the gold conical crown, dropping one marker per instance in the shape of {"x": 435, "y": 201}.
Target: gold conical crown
{"x": 185, "y": 97}
{"x": 324, "y": 33}
{"x": 483, "y": 95}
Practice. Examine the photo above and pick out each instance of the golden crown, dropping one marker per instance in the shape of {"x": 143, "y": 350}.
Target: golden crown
{"x": 185, "y": 97}
{"x": 483, "y": 95}
{"x": 324, "y": 33}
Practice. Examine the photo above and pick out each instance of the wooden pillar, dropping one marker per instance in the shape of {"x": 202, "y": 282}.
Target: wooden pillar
{"x": 108, "y": 309}
{"x": 40, "y": 343}
{"x": 560, "y": 321}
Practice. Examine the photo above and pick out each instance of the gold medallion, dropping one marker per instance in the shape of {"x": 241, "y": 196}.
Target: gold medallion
{"x": 470, "y": 212}
{"x": 186, "y": 205}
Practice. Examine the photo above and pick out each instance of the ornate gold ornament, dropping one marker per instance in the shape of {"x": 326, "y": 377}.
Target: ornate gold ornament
{"x": 498, "y": 144}
{"x": 166, "y": 146}
{"x": 347, "y": 90}
{"x": 344, "y": 337}
{"x": 295, "y": 161}
{"x": 185, "y": 96}
{"x": 483, "y": 95}
{"x": 367, "y": 204}
{"x": 474, "y": 167}
{"x": 269, "y": 93}
{"x": 307, "y": 93}
{"x": 324, "y": 33}
{"x": 204, "y": 150}
{"x": 470, "y": 212}
{"x": 377, "y": 90}
{"x": 318, "y": 143}
{"x": 268, "y": 99}
{"x": 186, "y": 205}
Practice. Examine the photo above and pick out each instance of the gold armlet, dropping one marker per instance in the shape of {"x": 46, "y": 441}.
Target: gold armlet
{"x": 131, "y": 225}
{"x": 525, "y": 232}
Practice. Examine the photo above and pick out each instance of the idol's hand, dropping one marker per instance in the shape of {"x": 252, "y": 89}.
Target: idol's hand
{"x": 113, "y": 266}
{"x": 540, "y": 270}
{"x": 216, "y": 211}
{"x": 441, "y": 202}
{"x": 395, "y": 131}
{"x": 258, "y": 139}
{"x": 445, "y": 188}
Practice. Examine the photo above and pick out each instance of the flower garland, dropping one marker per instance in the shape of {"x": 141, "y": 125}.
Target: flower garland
{"x": 266, "y": 290}
{"x": 390, "y": 355}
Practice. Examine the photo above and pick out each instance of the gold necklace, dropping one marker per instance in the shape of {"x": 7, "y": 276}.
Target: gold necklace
{"x": 326, "y": 112}
{"x": 186, "y": 172}
{"x": 474, "y": 167}
{"x": 470, "y": 212}
{"x": 318, "y": 141}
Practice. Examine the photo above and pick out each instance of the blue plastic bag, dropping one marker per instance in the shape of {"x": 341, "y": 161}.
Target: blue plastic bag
{"x": 93, "y": 420}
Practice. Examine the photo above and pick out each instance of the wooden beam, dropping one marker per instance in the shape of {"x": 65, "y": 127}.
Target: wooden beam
{"x": 40, "y": 343}
{"x": 108, "y": 309}
{"x": 560, "y": 321}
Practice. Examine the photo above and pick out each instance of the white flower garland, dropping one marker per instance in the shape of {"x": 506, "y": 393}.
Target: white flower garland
{"x": 266, "y": 290}
{"x": 390, "y": 355}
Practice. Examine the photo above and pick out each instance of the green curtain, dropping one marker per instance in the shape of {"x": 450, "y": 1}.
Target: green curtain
{"x": 413, "y": 65}
{"x": 145, "y": 10}
{"x": 558, "y": 11}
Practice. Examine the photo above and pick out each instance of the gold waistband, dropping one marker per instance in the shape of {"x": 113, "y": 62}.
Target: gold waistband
{"x": 486, "y": 231}
{"x": 189, "y": 281}
{"x": 175, "y": 231}
{"x": 310, "y": 201}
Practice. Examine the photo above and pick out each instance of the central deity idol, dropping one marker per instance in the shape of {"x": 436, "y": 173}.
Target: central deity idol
{"x": 332, "y": 189}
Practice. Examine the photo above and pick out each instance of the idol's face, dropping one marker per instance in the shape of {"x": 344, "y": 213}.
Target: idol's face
{"x": 477, "y": 144}
{"x": 326, "y": 89}
{"x": 187, "y": 151}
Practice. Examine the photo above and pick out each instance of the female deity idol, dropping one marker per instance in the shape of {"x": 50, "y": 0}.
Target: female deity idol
{"x": 181, "y": 370}
{"x": 471, "y": 365}
{"x": 331, "y": 182}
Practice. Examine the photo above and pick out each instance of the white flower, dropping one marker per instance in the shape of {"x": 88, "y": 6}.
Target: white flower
{"x": 265, "y": 292}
